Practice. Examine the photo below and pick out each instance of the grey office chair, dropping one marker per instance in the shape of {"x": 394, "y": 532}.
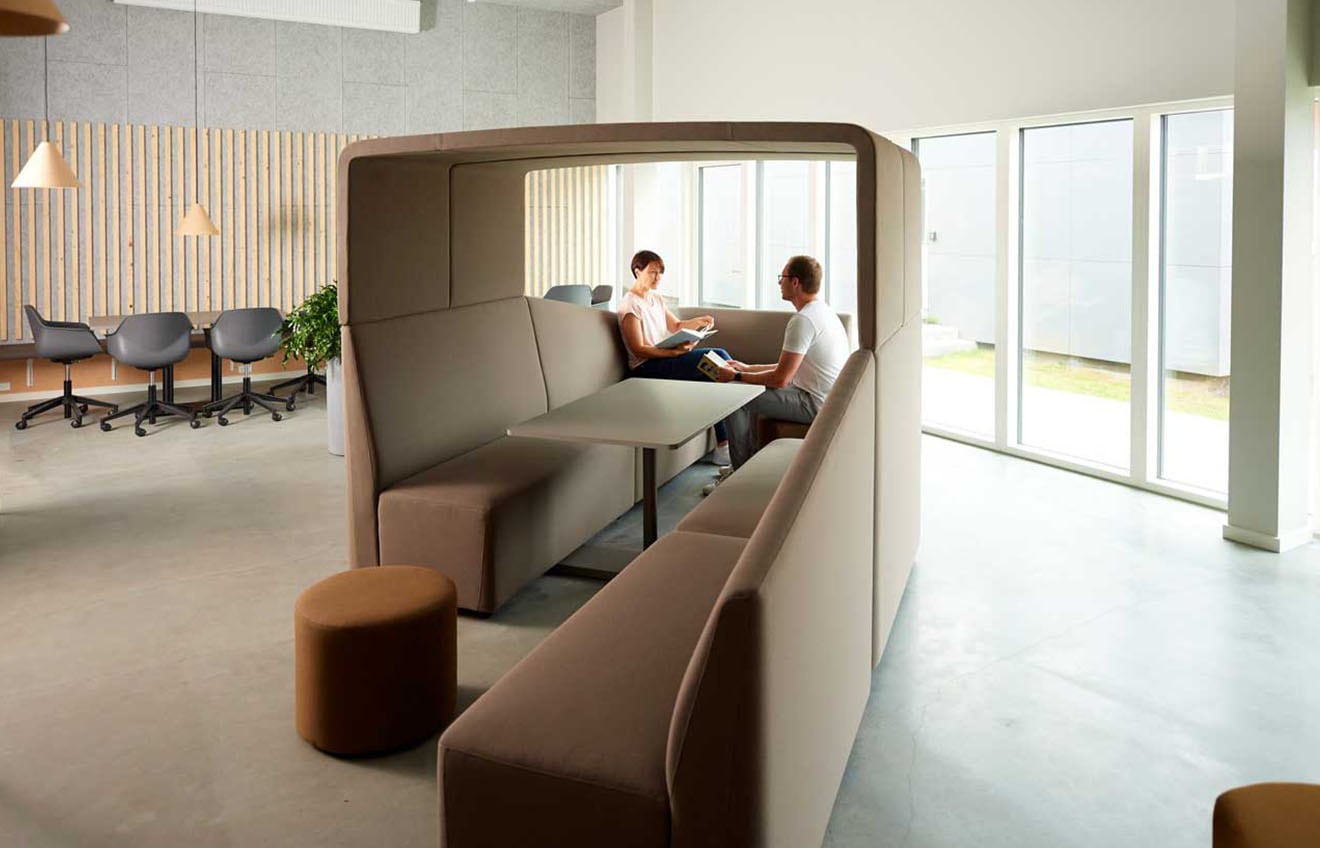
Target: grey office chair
{"x": 246, "y": 336}
{"x": 581, "y": 295}
{"x": 601, "y": 297}
{"x": 65, "y": 342}
{"x": 151, "y": 342}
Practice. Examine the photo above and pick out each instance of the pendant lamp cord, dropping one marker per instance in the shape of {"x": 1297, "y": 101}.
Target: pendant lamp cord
{"x": 197, "y": 109}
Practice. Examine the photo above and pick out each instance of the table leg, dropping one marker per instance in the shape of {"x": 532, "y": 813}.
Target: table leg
{"x": 217, "y": 386}
{"x": 648, "y": 498}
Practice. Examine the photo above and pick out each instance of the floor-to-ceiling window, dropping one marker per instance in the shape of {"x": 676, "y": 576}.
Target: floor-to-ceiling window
{"x": 1075, "y": 277}
{"x": 1195, "y": 285}
{"x": 841, "y": 257}
{"x": 722, "y": 239}
{"x": 787, "y": 221}
{"x": 958, "y": 281}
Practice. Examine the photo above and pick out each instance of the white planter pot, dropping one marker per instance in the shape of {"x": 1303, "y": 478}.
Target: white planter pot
{"x": 334, "y": 406}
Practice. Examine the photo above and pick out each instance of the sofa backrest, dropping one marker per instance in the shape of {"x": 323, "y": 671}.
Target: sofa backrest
{"x": 773, "y": 696}
{"x": 753, "y": 335}
{"x": 580, "y": 349}
{"x": 429, "y": 380}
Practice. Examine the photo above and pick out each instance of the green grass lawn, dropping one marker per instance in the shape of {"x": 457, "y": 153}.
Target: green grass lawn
{"x": 1207, "y": 398}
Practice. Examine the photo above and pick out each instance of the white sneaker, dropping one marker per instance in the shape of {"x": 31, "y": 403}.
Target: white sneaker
{"x": 720, "y": 456}
{"x": 725, "y": 471}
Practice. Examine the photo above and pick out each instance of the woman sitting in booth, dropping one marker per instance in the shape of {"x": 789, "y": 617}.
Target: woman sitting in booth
{"x": 644, "y": 322}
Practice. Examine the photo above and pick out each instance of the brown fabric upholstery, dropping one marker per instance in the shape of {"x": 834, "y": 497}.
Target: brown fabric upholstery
{"x": 736, "y": 506}
{"x": 581, "y": 350}
{"x": 1268, "y": 815}
{"x": 756, "y": 750}
{"x": 376, "y": 659}
{"x": 429, "y": 380}
{"x": 568, "y": 748}
{"x": 499, "y": 516}
{"x": 769, "y": 429}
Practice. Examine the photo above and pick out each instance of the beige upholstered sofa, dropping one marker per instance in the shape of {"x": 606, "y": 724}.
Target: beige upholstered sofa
{"x": 710, "y": 694}
{"x": 489, "y": 510}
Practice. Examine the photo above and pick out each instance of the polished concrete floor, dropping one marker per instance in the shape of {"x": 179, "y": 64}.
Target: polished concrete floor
{"x": 1075, "y": 663}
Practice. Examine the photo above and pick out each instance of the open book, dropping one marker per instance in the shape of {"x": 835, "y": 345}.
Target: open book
{"x": 685, "y": 336}
{"x": 711, "y": 363}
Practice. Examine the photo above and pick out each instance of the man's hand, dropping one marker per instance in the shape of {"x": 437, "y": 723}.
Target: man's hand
{"x": 737, "y": 366}
{"x": 724, "y": 375}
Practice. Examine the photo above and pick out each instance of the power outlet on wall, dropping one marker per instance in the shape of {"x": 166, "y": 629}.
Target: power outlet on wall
{"x": 4, "y": 387}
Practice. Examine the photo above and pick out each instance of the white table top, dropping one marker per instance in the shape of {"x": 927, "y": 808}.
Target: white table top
{"x": 108, "y": 323}
{"x": 641, "y": 413}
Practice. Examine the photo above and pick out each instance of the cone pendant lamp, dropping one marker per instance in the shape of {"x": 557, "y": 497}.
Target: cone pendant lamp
{"x": 197, "y": 222}
{"x": 46, "y": 168}
{"x": 31, "y": 17}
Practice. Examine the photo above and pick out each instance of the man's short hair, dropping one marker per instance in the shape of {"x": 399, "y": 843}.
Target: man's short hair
{"x": 807, "y": 270}
{"x": 642, "y": 258}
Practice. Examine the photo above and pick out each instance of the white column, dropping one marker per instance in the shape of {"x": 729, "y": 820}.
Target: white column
{"x": 1272, "y": 226}
{"x": 623, "y": 63}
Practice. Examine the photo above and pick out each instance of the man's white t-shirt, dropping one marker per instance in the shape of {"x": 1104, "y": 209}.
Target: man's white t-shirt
{"x": 817, "y": 333}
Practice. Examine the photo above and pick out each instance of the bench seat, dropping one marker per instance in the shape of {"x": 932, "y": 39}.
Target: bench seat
{"x": 736, "y": 505}
{"x": 568, "y": 748}
{"x": 493, "y": 517}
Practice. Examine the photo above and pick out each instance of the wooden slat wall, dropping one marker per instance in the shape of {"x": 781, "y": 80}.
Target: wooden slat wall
{"x": 567, "y": 228}
{"x": 109, "y": 247}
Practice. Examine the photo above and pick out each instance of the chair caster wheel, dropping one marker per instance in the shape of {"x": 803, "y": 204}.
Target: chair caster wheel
{"x": 275, "y": 416}
{"x": 208, "y": 413}
{"x": 76, "y": 422}
{"x": 20, "y": 424}
{"x": 139, "y": 432}
{"x": 194, "y": 423}
{"x": 82, "y": 408}
{"x": 289, "y": 406}
{"x": 223, "y": 421}
{"x": 105, "y": 427}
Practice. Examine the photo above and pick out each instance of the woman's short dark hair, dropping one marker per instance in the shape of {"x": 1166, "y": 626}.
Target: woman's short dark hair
{"x": 642, "y": 258}
{"x": 807, "y": 270}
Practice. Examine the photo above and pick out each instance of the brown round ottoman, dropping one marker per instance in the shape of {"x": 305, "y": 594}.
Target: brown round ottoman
{"x": 376, "y": 658}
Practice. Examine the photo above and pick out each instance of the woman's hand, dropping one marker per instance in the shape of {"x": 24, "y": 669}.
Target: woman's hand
{"x": 679, "y": 350}
{"x": 704, "y": 322}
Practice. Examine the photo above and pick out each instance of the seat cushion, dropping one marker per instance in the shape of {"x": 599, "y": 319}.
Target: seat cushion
{"x": 496, "y": 517}
{"x": 736, "y": 505}
{"x": 1268, "y": 815}
{"x": 568, "y": 748}
{"x": 770, "y": 429}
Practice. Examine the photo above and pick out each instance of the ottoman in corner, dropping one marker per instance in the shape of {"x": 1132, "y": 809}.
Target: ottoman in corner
{"x": 376, "y": 659}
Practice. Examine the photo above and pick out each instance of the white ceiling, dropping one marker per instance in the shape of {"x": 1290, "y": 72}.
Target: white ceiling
{"x": 577, "y": 7}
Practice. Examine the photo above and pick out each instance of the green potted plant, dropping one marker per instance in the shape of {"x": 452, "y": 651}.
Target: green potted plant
{"x": 311, "y": 333}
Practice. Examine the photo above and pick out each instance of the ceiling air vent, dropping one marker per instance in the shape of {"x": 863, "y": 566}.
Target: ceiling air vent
{"x": 391, "y": 15}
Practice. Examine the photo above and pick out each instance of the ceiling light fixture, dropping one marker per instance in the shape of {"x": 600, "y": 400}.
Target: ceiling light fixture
{"x": 31, "y": 17}
{"x": 197, "y": 222}
{"x": 46, "y": 167}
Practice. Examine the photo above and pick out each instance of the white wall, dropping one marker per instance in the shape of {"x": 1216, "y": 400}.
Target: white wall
{"x": 905, "y": 65}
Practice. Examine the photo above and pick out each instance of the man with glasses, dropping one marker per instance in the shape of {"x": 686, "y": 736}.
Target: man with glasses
{"x": 815, "y": 349}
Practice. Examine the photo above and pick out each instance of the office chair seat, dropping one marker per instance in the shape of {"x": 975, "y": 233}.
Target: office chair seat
{"x": 151, "y": 342}
{"x": 65, "y": 342}
{"x": 246, "y": 336}
{"x": 581, "y": 295}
